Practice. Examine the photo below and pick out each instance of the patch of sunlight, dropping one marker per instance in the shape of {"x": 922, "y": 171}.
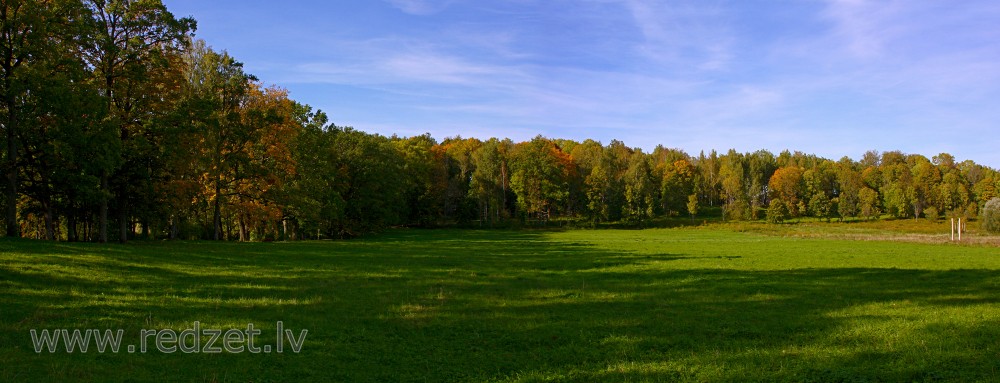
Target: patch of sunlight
{"x": 609, "y": 296}
{"x": 379, "y": 275}
{"x": 414, "y": 311}
{"x": 762, "y": 297}
{"x": 667, "y": 368}
{"x": 273, "y": 301}
{"x": 893, "y": 308}
{"x": 75, "y": 273}
{"x": 550, "y": 294}
{"x": 620, "y": 340}
{"x": 251, "y": 286}
{"x": 131, "y": 300}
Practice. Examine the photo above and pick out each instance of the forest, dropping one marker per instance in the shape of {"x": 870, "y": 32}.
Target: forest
{"x": 119, "y": 124}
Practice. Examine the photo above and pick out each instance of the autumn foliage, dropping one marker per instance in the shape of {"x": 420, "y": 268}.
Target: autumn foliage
{"x": 117, "y": 124}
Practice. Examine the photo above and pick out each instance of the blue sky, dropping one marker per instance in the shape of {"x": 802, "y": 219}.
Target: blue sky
{"x": 833, "y": 78}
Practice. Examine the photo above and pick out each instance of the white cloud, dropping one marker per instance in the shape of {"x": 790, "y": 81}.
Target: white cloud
{"x": 863, "y": 27}
{"x": 420, "y": 7}
{"x": 444, "y": 69}
{"x": 683, "y": 33}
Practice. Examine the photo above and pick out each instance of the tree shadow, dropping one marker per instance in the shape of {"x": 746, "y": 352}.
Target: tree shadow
{"x": 467, "y": 305}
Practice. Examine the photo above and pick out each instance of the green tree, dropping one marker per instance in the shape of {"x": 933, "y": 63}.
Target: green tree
{"x": 708, "y": 177}
{"x": 777, "y": 211}
{"x": 426, "y": 179}
{"x": 925, "y": 186}
{"x": 732, "y": 178}
{"x": 868, "y": 203}
{"x": 849, "y": 183}
{"x": 31, "y": 31}
{"x": 217, "y": 90}
{"x": 821, "y": 206}
{"x": 59, "y": 137}
{"x": 678, "y": 181}
{"x": 896, "y": 199}
{"x": 587, "y": 157}
{"x": 129, "y": 40}
{"x": 640, "y": 190}
{"x": 374, "y": 173}
{"x": 692, "y": 205}
{"x": 990, "y": 216}
{"x": 456, "y": 154}
{"x": 540, "y": 173}
{"x": 932, "y": 214}
{"x": 605, "y": 189}
{"x": 896, "y": 184}
{"x": 761, "y": 167}
{"x": 489, "y": 182}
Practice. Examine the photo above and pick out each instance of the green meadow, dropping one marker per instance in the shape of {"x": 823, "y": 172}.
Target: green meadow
{"x": 717, "y": 303}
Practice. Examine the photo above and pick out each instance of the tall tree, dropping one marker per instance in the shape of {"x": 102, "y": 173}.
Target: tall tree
{"x": 868, "y": 203}
{"x": 849, "y": 184}
{"x": 218, "y": 91}
{"x": 640, "y": 190}
{"x": 60, "y": 136}
{"x": 677, "y": 184}
{"x": 586, "y": 157}
{"x": 258, "y": 193}
{"x": 787, "y": 186}
{"x": 26, "y": 28}
{"x": 316, "y": 191}
{"x": 426, "y": 179}
{"x": 540, "y": 174}
{"x": 128, "y": 40}
{"x": 490, "y": 181}
{"x": 761, "y": 166}
{"x": 456, "y": 155}
{"x": 605, "y": 190}
{"x": 732, "y": 176}
{"x": 926, "y": 178}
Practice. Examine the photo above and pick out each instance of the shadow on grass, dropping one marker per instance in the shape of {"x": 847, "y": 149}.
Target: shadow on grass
{"x": 449, "y": 305}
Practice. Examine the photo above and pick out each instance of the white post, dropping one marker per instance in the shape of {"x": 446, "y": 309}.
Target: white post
{"x": 960, "y": 230}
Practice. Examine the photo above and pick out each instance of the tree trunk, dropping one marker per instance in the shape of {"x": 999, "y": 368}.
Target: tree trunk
{"x": 217, "y": 214}
{"x": 71, "y": 226}
{"x": 50, "y": 230}
{"x": 173, "y": 228}
{"x": 123, "y": 224}
{"x": 11, "y": 212}
{"x": 103, "y": 217}
{"x": 109, "y": 85}
{"x": 243, "y": 230}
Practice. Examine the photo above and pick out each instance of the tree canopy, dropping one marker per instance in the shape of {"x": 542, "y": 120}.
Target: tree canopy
{"x": 117, "y": 123}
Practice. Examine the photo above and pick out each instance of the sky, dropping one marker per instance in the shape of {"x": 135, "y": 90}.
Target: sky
{"x": 829, "y": 77}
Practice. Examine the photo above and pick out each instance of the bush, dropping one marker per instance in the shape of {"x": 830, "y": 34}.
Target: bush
{"x": 991, "y": 216}
{"x": 777, "y": 212}
{"x": 931, "y": 213}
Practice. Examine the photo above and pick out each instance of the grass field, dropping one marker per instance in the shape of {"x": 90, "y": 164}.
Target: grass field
{"x": 740, "y": 303}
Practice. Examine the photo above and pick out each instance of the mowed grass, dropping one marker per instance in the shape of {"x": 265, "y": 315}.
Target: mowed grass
{"x": 694, "y": 304}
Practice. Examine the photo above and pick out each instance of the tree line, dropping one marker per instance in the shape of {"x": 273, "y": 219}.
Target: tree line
{"x": 118, "y": 124}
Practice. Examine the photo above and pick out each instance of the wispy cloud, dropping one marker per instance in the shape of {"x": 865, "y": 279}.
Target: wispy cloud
{"x": 444, "y": 69}
{"x": 833, "y": 77}
{"x": 864, "y": 27}
{"x": 692, "y": 33}
{"x": 420, "y": 7}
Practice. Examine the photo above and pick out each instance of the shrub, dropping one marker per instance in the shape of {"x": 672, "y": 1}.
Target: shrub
{"x": 931, "y": 213}
{"x": 777, "y": 212}
{"x": 991, "y": 216}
